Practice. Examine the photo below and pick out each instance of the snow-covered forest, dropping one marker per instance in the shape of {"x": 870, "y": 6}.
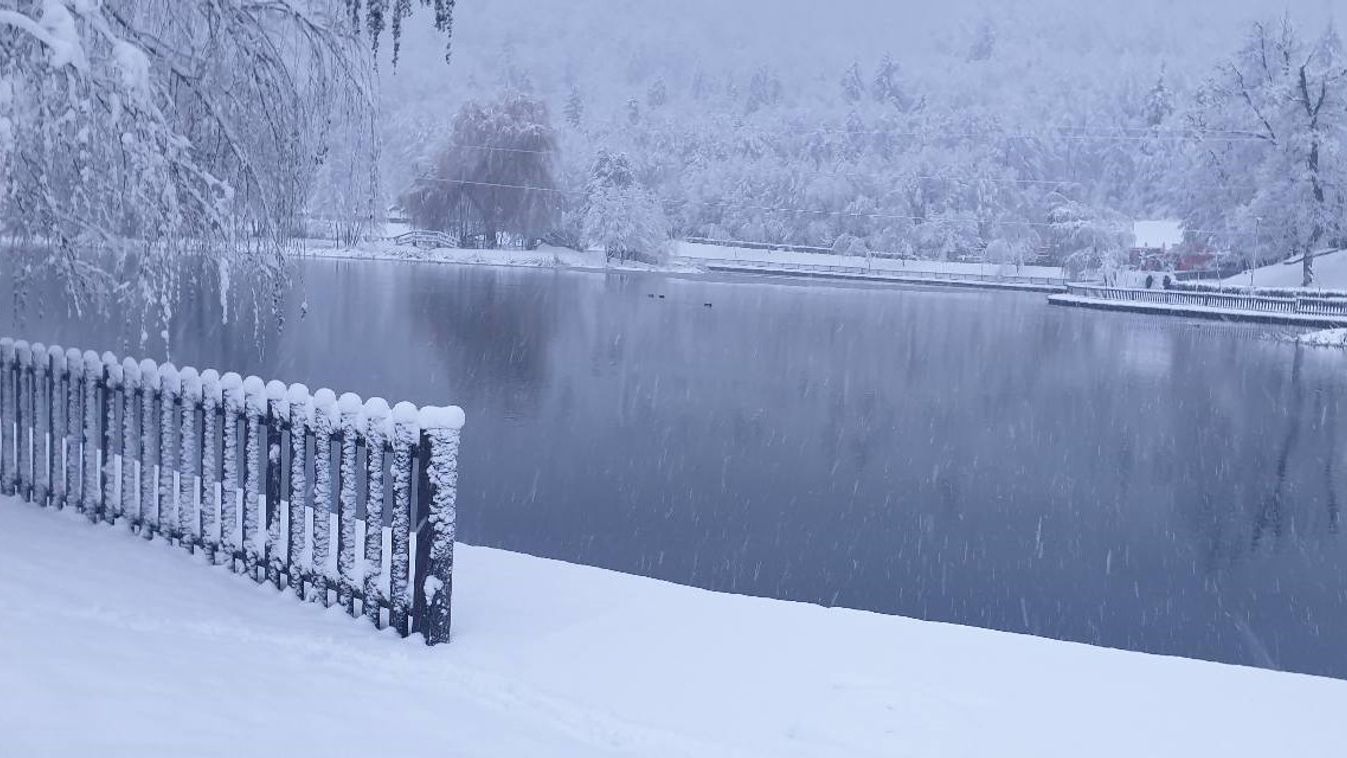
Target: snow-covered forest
{"x": 1008, "y": 131}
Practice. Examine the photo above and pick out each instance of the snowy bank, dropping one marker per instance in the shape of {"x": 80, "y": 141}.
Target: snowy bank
{"x": 542, "y": 257}
{"x": 1330, "y": 273}
{"x": 162, "y": 655}
{"x": 1324, "y": 338}
{"x": 692, "y": 251}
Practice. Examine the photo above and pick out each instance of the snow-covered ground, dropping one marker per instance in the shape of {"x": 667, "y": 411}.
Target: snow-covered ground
{"x": 1330, "y": 272}
{"x": 1324, "y": 338}
{"x": 545, "y": 256}
{"x": 701, "y": 252}
{"x": 684, "y": 257}
{"x": 110, "y": 646}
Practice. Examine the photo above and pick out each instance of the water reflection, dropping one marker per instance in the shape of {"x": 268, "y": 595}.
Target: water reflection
{"x": 973, "y": 457}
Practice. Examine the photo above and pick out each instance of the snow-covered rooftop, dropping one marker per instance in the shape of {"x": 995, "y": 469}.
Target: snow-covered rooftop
{"x": 1158, "y": 233}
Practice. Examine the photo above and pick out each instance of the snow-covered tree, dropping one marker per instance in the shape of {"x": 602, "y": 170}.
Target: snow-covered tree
{"x": 1270, "y": 158}
{"x": 853, "y": 88}
{"x": 888, "y": 87}
{"x": 1159, "y": 101}
{"x": 621, "y": 216}
{"x": 658, "y": 94}
{"x": 1082, "y": 237}
{"x": 493, "y": 183}
{"x": 574, "y": 110}
{"x": 159, "y": 131}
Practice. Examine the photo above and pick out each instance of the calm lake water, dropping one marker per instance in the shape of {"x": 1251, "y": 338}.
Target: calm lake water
{"x": 1138, "y": 482}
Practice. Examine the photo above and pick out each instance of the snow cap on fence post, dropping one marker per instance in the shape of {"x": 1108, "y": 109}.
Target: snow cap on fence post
{"x": 255, "y": 395}
{"x": 23, "y": 352}
{"x": 297, "y": 394}
{"x": 277, "y": 392}
{"x": 190, "y": 382}
{"x": 441, "y": 427}
{"x": 130, "y": 373}
{"x": 232, "y": 382}
{"x": 57, "y": 355}
{"x": 210, "y": 385}
{"x": 112, "y": 369}
{"x": 378, "y": 418}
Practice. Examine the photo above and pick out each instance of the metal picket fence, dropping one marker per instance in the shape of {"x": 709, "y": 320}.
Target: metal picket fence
{"x": 257, "y": 476}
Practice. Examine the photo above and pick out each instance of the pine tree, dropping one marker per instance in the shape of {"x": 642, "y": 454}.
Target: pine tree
{"x": 853, "y": 88}
{"x": 764, "y": 90}
{"x": 1159, "y": 101}
{"x": 633, "y": 111}
{"x": 888, "y": 86}
{"x": 658, "y": 94}
{"x": 574, "y": 110}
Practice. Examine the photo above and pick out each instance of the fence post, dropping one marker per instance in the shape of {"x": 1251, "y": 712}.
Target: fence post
{"x": 9, "y": 427}
{"x": 91, "y": 388}
{"x": 441, "y": 429}
{"x": 56, "y": 427}
{"x": 41, "y": 423}
{"x": 74, "y": 424}
{"x": 377, "y": 433}
{"x": 277, "y": 413}
{"x": 421, "y": 527}
{"x": 149, "y": 449}
{"x": 131, "y": 445}
{"x": 231, "y": 389}
{"x": 189, "y": 457}
{"x": 112, "y": 386}
{"x": 301, "y": 412}
{"x": 23, "y": 438}
{"x": 324, "y": 422}
{"x": 254, "y": 407}
{"x": 406, "y": 432}
{"x": 170, "y": 395}
{"x": 349, "y": 407}
{"x": 210, "y": 463}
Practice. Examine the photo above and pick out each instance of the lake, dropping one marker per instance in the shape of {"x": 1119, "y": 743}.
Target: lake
{"x": 983, "y": 458}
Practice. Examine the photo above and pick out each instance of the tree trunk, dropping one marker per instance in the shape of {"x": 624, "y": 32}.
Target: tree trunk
{"x": 1307, "y": 280}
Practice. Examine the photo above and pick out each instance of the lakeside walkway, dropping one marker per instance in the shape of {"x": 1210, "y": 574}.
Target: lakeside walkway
{"x": 858, "y": 274}
{"x": 1308, "y": 310}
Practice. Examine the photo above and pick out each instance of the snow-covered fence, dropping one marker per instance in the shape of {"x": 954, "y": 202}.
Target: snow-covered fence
{"x": 1299, "y": 304}
{"x": 425, "y": 238}
{"x": 257, "y": 476}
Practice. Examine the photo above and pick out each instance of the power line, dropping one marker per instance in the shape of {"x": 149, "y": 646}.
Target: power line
{"x": 801, "y": 211}
{"x": 1123, "y": 134}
